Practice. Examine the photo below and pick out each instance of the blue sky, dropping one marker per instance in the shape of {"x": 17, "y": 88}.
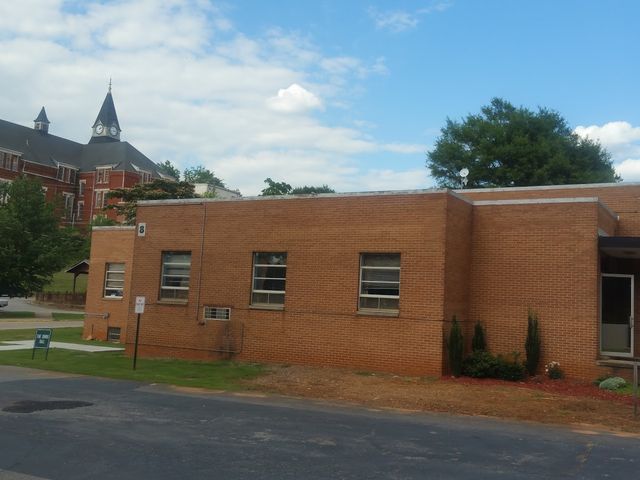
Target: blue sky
{"x": 349, "y": 93}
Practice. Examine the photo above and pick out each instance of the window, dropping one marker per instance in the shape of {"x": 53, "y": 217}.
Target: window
{"x": 145, "y": 177}
{"x": 113, "y": 334}
{"x": 102, "y": 175}
{"x": 379, "y": 281}
{"x": 101, "y": 198}
{"x": 269, "y": 278}
{"x": 114, "y": 280}
{"x": 217, "y": 313}
{"x": 80, "y": 209}
{"x": 176, "y": 268}
{"x": 81, "y": 185}
{"x": 9, "y": 161}
{"x": 68, "y": 205}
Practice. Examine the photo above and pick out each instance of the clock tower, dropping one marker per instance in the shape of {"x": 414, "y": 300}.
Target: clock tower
{"x": 106, "y": 127}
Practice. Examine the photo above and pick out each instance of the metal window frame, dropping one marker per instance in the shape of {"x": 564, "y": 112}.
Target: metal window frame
{"x": 268, "y": 292}
{"x": 107, "y": 271}
{"x": 209, "y": 308}
{"x": 163, "y": 275}
{"x": 379, "y": 297}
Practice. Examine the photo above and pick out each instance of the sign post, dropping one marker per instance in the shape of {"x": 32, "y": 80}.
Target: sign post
{"x": 42, "y": 340}
{"x": 140, "y": 301}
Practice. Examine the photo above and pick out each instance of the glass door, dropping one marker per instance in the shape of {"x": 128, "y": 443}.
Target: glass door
{"x": 616, "y": 328}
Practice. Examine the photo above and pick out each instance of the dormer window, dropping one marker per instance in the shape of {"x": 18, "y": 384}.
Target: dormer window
{"x": 145, "y": 177}
{"x": 102, "y": 175}
{"x": 66, "y": 174}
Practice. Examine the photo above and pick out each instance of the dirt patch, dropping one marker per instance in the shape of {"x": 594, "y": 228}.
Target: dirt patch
{"x": 538, "y": 400}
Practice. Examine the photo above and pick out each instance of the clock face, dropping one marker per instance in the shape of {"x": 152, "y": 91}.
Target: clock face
{"x": 113, "y": 130}
{"x": 99, "y": 129}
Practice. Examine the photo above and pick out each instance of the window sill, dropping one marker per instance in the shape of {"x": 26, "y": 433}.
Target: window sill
{"x": 172, "y": 302}
{"x": 112, "y": 298}
{"x": 378, "y": 313}
{"x": 266, "y": 307}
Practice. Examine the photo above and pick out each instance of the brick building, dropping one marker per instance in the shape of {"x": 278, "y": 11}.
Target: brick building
{"x": 372, "y": 280}
{"x": 75, "y": 175}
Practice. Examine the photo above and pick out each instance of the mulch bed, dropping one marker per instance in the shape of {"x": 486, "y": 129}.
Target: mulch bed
{"x": 555, "y": 387}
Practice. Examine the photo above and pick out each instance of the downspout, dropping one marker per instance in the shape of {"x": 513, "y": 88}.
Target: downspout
{"x": 204, "y": 222}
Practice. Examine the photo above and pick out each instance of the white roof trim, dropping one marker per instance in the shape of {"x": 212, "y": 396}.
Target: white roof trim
{"x": 549, "y": 187}
{"x": 138, "y": 169}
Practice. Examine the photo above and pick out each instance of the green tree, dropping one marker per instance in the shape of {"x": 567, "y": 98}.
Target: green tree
{"x": 32, "y": 244}
{"x": 275, "y": 188}
{"x": 283, "y": 188}
{"x": 170, "y": 169}
{"x": 156, "y": 190}
{"x": 306, "y": 190}
{"x": 532, "y": 343}
{"x": 478, "y": 342}
{"x": 506, "y": 146}
{"x": 455, "y": 347}
{"x": 200, "y": 174}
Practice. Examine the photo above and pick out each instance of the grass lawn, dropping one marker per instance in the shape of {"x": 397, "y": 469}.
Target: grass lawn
{"x": 223, "y": 375}
{"x": 4, "y": 314}
{"x": 63, "y": 282}
{"x": 67, "y": 316}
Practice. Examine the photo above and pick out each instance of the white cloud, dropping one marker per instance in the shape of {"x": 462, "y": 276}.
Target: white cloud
{"x": 622, "y": 140}
{"x": 205, "y": 95}
{"x": 400, "y": 20}
{"x": 611, "y": 134}
{"x": 294, "y": 99}
{"x": 629, "y": 169}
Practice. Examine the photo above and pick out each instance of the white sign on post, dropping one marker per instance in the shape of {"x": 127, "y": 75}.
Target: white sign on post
{"x": 140, "y": 304}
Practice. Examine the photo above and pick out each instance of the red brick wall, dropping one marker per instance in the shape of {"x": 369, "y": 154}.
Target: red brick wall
{"x": 323, "y": 238}
{"x": 457, "y": 266}
{"x": 543, "y": 257}
{"x": 108, "y": 245}
{"x": 623, "y": 199}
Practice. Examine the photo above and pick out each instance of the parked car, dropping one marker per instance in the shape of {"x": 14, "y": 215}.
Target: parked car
{"x": 4, "y": 301}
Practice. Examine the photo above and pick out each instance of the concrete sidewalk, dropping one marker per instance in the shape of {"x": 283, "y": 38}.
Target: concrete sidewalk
{"x": 28, "y": 345}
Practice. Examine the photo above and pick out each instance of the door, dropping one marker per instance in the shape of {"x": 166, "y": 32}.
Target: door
{"x": 616, "y": 316}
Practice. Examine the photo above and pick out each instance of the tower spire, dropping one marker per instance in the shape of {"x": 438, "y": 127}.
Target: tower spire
{"x": 106, "y": 128}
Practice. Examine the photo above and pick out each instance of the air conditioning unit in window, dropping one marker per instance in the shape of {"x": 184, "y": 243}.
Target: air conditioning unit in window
{"x": 217, "y": 313}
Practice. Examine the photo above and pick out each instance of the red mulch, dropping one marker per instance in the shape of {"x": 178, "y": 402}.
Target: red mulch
{"x": 567, "y": 387}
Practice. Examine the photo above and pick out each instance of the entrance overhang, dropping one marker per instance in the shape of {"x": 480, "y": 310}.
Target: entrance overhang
{"x": 620, "y": 247}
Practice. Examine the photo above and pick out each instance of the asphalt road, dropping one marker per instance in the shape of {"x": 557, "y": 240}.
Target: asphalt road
{"x": 136, "y": 431}
{"x": 17, "y": 304}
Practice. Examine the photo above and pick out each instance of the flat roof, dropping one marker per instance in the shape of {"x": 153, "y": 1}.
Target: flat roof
{"x": 182, "y": 201}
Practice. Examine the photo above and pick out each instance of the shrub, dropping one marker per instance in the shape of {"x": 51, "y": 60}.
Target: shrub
{"x": 613, "y": 383}
{"x": 553, "y": 370}
{"x": 509, "y": 367}
{"x": 455, "y": 346}
{"x": 532, "y": 344}
{"x": 480, "y": 364}
{"x": 484, "y": 365}
{"x": 478, "y": 342}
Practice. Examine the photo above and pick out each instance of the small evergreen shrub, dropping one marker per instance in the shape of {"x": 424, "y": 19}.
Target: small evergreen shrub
{"x": 455, "y": 346}
{"x": 553, "y": 370}
{"x": 480, "y": 364}
{"x": 509, "y": 367}
{"x": 532, "y": 344}
{"x": 484, "y": 365}
{"x": 478, "y": 342}
{"x": 613, "y": 383}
